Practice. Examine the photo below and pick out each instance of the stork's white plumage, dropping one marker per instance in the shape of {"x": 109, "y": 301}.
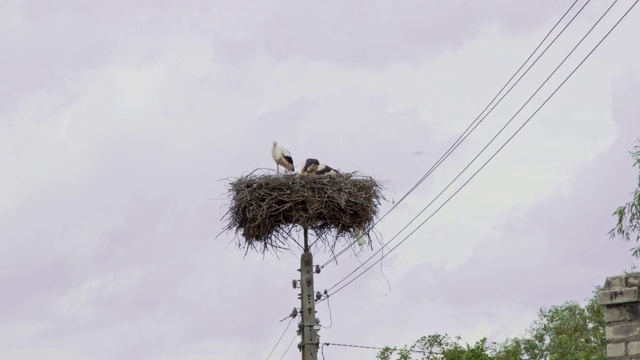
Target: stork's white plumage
{"x": 323, "y": 169}
{"x": 282, "y": 156}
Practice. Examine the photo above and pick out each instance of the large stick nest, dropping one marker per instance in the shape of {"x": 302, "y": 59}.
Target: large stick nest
{"x": 266, "y": 209}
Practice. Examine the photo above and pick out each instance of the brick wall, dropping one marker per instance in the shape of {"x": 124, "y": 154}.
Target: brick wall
{"x": 622, "y": 316}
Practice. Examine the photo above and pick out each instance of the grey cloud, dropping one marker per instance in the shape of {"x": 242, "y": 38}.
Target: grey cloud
{"x": 365, "y": 33}
{"x": 56, "y": 44}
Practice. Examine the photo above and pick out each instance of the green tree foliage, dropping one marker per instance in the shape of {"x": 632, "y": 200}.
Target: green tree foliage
{"x": 438, "y": 347}
{"x": 566, "y": 332}
{"x": 628, "y": 215}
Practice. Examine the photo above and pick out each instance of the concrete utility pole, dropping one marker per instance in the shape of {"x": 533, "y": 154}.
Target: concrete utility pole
{"x": 308, "y": 304}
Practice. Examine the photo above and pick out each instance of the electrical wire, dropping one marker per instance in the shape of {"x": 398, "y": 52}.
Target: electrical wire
{"x": 478, "y": 120}
{"x": 499, "y": 149}
{"x": 379, "y": 348}
{"x": 489, "y": 143}
{"x": 288, "y": 347}
{"x": 330, "y": 317}
{"x": 281, "y": 336}
{"x": 470, "y": 128}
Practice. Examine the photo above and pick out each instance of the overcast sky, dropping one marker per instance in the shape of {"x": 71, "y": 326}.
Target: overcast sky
{"x": 120, "y": 120}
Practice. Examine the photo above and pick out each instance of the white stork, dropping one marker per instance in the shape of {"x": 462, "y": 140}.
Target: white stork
{"x": 313, "y": 166}
{"x": 326, "y": 169}
{"x": 281, "y": 156}
{"x": 310, "y": 167}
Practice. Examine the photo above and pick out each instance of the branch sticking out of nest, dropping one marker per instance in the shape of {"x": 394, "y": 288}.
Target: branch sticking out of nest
{"x": 265, "y": 209}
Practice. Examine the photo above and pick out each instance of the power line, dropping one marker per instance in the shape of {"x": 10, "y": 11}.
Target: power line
{"x": 330, "y": 316}
{"x": 497, "y": 151}
{"x": 380, "y": 348}
{"x": 360, "y": 346}
{"x": 281, "y": 336}
{"x": 288, "y": 347}
{"x": 478, "y": 120}
{"x": 469, "y": 130}
{"x": 483, "y": 149}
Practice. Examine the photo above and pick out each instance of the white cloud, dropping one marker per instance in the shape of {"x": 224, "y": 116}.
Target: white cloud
{"x": 77, "y": 302}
